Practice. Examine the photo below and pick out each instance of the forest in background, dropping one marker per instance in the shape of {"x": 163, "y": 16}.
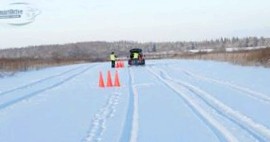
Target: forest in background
{"x": 32, "y": 57}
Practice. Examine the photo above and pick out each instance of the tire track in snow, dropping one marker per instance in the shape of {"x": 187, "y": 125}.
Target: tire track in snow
{"x": 135, "y": 118}
{"x": 258, "y": 131}
{"x": 99, "y": 120}
{"x": 131, "y": 127}
{"x": 239, "y": 119}
{"x": 38, "y": 81}
{"x": 245, "y": 90}
{"x": 221, "y": 132}
{"x": 14, "y": 101}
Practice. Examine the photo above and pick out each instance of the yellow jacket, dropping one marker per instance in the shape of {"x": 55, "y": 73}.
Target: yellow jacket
{"x": 112, "y": 57}
{"x": 135, "y": 55}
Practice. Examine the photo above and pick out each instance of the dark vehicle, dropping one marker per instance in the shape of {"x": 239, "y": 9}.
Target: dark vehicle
{"x": 136, "y": 57}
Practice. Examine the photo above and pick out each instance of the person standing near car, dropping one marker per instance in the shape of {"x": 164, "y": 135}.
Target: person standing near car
{"x": 136, "y": 57}
{"x": 112, "y": 58}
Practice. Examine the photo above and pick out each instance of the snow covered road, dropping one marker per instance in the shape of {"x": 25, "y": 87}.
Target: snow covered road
{"x": 164, "y": 101}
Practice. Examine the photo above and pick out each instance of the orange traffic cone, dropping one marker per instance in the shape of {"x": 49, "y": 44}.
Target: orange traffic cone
{"x": 116, "y": 81}
{"x": 109, "y": 79}
{"x": 120, "y": 65}
{"x": 117, "y": 64}
{"x": 101, "y": 82}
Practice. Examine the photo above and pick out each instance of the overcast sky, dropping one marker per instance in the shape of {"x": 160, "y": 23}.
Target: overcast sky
{"x": 65, "y": 21}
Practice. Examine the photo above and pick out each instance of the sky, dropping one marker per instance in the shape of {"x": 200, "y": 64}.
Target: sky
{"x": 67, "y": 21}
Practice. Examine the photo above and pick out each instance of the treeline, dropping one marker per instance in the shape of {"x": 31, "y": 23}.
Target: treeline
{"x": 99, "y": 50}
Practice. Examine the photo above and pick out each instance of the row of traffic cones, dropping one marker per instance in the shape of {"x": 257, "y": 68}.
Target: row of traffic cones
{"x": 120, "y": 64}
{"x": 109, "y": 80}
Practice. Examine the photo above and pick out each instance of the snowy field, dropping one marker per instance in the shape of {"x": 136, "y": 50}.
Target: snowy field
{"x": 164, "y": 101}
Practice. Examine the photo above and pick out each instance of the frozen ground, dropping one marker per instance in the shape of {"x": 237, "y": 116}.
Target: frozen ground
{"x": 164, "y": 101}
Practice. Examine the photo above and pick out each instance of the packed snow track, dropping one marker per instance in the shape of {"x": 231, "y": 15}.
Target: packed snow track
{"x": 163, "y": 101}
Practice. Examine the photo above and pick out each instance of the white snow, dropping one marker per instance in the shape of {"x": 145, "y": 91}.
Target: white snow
{"x": 244, "y": 48}
{"x": 135, "y": 121}
{"x": 200, "y": 50}
{"x": 164, "y": 101}
{"x": 232, "y": 49}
